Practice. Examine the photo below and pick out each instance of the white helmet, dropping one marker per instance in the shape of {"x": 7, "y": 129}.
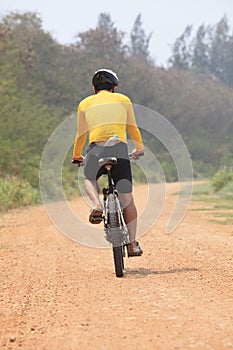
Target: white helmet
{"x": 105, "y": 76}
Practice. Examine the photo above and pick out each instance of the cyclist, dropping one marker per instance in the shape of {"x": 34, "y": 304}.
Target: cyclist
{"x": 101, "y": 116}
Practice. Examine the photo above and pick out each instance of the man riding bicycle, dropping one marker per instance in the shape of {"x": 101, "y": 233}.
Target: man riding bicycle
{"x": 102, "y": 116}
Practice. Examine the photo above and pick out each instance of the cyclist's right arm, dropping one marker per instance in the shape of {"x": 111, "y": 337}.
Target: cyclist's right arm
{"x": 133, "y": 131}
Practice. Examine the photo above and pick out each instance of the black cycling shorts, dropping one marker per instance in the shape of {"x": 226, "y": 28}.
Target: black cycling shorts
{"x": 121, "y": 172}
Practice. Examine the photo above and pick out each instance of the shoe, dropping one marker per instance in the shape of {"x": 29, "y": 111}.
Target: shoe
{"x": 134, "y": 249}
{"x": 96, "y": 216}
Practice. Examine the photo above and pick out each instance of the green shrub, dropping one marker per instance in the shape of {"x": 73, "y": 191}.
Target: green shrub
{"x": 16, "y": 193}
{"x": 169, "y": 169}
{"x": 222, "y": 178}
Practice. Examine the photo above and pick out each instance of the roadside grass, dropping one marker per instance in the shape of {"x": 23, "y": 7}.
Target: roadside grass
{"x": 219, "y": 203}
{"x": 223, "y": 218}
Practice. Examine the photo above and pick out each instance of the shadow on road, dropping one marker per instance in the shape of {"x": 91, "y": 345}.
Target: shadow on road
{"x": 145, "y": 272}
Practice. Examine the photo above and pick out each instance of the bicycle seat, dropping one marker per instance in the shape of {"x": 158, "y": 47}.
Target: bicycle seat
{"x": 107, "y": 161}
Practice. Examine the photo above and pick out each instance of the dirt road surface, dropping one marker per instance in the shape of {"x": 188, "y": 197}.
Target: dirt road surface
{"x": 57, "y": 294}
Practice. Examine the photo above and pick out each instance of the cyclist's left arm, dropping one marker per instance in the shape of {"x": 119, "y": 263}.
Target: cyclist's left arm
{"x": 81, "y": 136}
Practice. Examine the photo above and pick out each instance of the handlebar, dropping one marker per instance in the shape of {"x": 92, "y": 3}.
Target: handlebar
{"x": 137, "y": 156}
{"x": 78, "y": 162}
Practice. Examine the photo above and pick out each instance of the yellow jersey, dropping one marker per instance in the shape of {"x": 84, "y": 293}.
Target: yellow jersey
{"x": 104, "y": 115}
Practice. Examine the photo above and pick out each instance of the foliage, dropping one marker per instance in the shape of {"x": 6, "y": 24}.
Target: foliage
{"x": 16, "y": 193}
{"x": 222, "y": 178}
{"x": 139, "y": 43}
{"x": 209, "y": 52}
{"x": 41, "y": 83}
{"x": 181, "y": 51}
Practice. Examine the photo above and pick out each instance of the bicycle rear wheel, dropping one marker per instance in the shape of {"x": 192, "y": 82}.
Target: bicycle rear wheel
{"x": 114, "y": 226}
{"x": 118, "y": 261}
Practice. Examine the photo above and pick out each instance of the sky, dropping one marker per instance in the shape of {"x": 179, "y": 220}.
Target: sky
{"x": 166, "y": 19}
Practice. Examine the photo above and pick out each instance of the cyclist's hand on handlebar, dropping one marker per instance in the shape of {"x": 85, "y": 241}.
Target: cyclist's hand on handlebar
{"x": 136, "y": 154}
{"x": 79, "y": 161}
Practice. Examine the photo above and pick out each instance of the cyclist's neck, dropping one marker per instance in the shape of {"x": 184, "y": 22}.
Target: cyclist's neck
{"x": 104, "y": 91}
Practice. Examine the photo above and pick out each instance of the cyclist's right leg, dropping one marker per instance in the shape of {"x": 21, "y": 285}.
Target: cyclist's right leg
{"x": 130, "y": 213}
{"x": 130, "y": 216}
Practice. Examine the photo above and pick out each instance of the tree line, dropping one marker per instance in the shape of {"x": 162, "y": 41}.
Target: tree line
{"x": 209, "y": 51}
{"x": 42, "y": 82}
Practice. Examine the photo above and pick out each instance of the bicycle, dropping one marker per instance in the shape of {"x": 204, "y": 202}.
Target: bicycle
{"x": 115, "y": 228}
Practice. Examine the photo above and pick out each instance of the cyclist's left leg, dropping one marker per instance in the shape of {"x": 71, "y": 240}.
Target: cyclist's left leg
{"x": 92, "y": 190}
{"x": 90, "y": 184}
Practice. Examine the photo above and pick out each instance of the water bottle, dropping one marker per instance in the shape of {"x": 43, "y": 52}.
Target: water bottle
{"x": 111, "y": 141}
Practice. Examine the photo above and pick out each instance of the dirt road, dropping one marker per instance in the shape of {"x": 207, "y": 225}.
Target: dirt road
{"x": 56, "y": 294}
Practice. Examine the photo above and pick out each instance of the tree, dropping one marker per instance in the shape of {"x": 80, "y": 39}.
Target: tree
{"x": 139, "y": 41}
{"x": 104, "y": 43}
{"x": 201, "y": 50}
{"x": 105, "y": 22}
{"x": 181, "y": 52}
{"x": 228, "y": 75}
{"x": 97, "y": 48}
{"x": 210, "y": 51}
{"x": 219, "y": 51}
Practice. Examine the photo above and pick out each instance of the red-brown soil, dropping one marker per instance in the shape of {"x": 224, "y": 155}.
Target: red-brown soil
{"x": 57, "y": 294}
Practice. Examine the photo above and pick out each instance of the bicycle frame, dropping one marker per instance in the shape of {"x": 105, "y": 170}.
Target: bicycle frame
{"x": 115, "y": 228}
{"x": 117, "y": 235}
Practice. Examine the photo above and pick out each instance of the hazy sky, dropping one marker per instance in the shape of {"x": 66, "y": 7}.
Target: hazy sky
{"x": 167, "y": 19}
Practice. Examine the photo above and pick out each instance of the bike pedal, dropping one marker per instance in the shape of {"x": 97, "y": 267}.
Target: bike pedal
{"x": 133, "y": 256}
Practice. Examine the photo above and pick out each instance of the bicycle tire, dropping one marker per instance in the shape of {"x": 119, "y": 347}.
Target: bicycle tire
{"x": 117, "y": 248}
{"x": 122, "y": 253}
{"x": 118, "y": 261}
